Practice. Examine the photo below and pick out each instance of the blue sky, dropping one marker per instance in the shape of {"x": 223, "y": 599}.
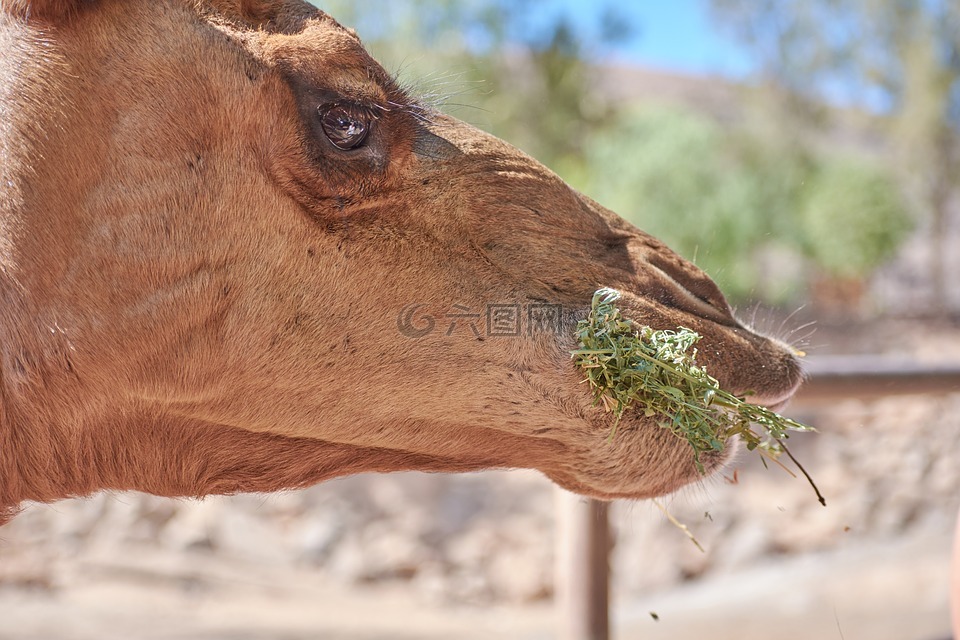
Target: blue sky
{"x": 667, "y": 34}
{"x": 673, "y": 35}
{"x": 678, "y": 35}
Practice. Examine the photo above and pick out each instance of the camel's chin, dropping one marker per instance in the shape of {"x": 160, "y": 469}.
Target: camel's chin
{"x": 631, "y": 484}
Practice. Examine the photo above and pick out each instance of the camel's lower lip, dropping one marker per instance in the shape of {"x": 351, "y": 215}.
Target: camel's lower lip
{"x": 775, "y": 402}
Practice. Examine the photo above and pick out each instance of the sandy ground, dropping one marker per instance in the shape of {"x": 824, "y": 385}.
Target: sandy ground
{"x": 893, "y": 591}
{"x": 886, "y": 592}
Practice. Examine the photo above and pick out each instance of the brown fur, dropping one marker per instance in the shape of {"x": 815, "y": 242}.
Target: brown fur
{"x": 199, "y": 294}
{"x": 44, "y": 10}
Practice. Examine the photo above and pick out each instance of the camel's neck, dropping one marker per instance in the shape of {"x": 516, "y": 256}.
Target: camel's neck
{"x": 40, "y": 453}
{"x": 10, "y": 482}
{"x": 47, "y": 454}
{"x": 171, "y": 457}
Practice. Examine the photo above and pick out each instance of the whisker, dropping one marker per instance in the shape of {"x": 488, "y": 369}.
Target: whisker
{"x": 789, "y": 317}
{"x": 797, "y": 330}
{"x": 753, "y": 315}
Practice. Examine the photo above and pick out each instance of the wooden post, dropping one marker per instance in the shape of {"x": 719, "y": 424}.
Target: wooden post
{"x": 955, "y": 582}
{"x": 582, "y": 568}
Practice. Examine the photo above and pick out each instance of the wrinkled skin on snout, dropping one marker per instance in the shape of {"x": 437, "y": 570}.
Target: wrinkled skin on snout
{"x": 207, "y": 287}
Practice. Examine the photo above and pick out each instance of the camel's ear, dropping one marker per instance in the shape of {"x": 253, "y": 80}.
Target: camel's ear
{"x": 48, "y": 10}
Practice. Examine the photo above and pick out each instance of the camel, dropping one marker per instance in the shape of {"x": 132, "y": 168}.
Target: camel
{"x": 237, "y": 256}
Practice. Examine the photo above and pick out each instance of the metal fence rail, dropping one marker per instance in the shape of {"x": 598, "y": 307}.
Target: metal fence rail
{"x": 837, "y": 377}
{"x": 583, "y": 540}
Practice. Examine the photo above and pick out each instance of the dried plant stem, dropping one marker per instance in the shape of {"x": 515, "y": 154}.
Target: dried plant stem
{"x": 679, "y": 525}
{"x": 816, "y": 490}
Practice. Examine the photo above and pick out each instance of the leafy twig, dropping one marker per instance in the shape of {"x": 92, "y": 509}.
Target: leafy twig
{"x": 627, "y": 364}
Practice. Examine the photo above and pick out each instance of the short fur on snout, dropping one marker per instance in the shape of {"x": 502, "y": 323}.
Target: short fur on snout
{"x": 200, "y": 292}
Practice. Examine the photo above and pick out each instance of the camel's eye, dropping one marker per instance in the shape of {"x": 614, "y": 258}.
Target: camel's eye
{"x": 346, "y": 126}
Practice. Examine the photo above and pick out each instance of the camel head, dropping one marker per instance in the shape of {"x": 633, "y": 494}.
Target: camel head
{"x": 236, "y": 256}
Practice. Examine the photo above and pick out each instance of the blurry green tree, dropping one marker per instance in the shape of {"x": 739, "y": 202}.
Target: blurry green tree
{"x": 710, "y": 195}
{"x": 730, "y": 200}
{"x": 852, "y": 217}
{"x": 897, "y": 58}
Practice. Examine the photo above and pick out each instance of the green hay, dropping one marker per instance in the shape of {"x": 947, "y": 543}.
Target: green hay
{"x": 626, "y": 364}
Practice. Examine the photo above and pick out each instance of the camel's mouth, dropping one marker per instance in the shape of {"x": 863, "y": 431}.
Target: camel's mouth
{"x": 779, "y": 401}
{"x": 654, "y": 387}
{"x": 764, "y": 370}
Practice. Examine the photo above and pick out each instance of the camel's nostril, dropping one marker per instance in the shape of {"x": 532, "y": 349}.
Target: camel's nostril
{"x": 701, "y": 293}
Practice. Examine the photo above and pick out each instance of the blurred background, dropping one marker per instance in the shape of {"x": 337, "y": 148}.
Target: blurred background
{"x": 806, "y": 154}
